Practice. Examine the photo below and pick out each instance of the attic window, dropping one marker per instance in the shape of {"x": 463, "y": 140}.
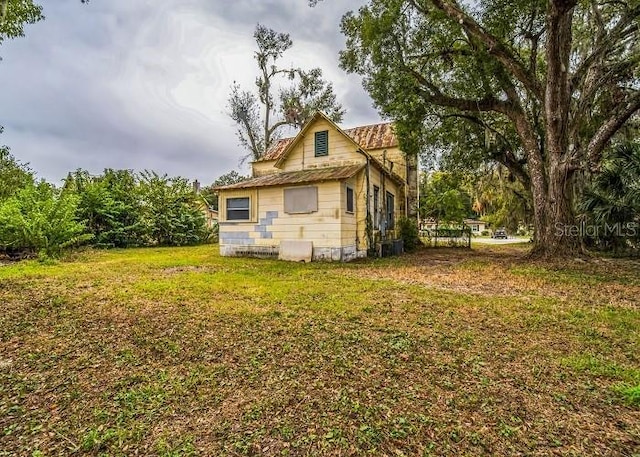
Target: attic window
{"x": 322, "y": 143}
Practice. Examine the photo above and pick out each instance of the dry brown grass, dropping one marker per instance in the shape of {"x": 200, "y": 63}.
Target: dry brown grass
{"x": 444, "y": 352}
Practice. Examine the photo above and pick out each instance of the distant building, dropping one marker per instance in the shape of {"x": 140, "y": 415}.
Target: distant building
{"x": 210, "y": 214}
{"x": 476, "y": 226}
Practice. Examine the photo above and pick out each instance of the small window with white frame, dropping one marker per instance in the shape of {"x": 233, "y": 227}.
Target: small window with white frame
{"x": 350, "y": 200}
{"x": 238, "y": 209}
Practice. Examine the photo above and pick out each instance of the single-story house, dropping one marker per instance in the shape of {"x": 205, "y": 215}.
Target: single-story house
{"x": 325, "y": 194}
{"x": 476, "y": 226}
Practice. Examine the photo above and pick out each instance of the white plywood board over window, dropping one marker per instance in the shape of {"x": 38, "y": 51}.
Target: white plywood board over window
{"x": 301, "y": 200}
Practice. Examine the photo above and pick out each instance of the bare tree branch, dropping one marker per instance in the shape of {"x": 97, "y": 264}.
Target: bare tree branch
{"x": 609, "y": 128}
{"x": 625, "y": 27}
{"x": 492, "y": 44}
{"x": 434, "y": 95}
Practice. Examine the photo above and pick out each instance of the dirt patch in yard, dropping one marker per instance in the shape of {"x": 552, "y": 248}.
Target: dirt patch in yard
{"x": 505, "y": 272}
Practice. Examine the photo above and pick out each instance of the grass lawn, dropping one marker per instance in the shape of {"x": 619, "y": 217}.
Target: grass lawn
{"x": 179, "y": 352}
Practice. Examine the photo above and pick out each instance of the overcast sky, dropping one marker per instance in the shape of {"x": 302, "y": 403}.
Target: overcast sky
{"x": 143, "y": 84}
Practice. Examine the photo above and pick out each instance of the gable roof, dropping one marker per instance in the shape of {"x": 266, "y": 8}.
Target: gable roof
{"x": 276, "y": 150}
{"x": 298, "y": 177}
{"x": 367, "y": 137}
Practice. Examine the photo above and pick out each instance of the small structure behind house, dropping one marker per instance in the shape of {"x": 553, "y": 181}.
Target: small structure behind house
{"x": 210, "y": 214}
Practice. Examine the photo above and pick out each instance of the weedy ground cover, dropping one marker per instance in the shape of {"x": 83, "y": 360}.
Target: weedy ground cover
{"x": 179, "y": 352}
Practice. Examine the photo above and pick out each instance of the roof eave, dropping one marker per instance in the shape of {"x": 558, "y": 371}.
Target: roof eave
{"x": 247, "y": 184}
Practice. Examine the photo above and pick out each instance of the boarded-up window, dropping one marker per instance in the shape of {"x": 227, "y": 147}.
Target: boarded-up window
{"x": 322, "y": 143}
{"x": 350, "y": 202}
{"x": 238, "y": 209}
{"x": 300, "y": 200}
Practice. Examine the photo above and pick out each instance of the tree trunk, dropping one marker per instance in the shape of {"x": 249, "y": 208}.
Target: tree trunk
{"x": 557, "y": 233}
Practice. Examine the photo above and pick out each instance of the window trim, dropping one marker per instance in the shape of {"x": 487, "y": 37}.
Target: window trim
{"x": 391, "y": 212}
{"x": 315, "y": 144}
{"x": 353, "y": 199}
{"x": 376, "y": 207}
{"x": 247, "y": 209}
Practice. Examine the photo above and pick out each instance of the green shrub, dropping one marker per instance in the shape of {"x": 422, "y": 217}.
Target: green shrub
{"x": 124, "y": 209}
{"x": 215, "y": 233}
{"x": 38, "y": 219}
{"x": 111, "y": 206}
{"x": 13, "y": 174}
{"x": 408, "y": 229}
{"x": 611, "y": 203}
{"x": 171, "y": 211}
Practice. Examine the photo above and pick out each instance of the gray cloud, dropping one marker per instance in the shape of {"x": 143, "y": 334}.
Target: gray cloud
{"x": 143, "y": 85}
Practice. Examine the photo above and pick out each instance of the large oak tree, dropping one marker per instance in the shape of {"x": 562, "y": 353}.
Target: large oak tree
{"x": 541, "y": 86}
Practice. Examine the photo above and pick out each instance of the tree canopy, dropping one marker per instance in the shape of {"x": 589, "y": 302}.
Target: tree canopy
{"x": 538, "y": 86}
{"x": 14, "y": 14}
{"x": 261, "y": 115}
{"x": 13, "y": 174}
{"x": 443, "y": 199}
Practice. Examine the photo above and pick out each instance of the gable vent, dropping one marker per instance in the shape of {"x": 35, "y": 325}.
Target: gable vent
{"x": 322, "y": 143}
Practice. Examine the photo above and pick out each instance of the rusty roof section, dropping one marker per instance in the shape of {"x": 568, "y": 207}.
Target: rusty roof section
{"x": 276, "y": 149}
{"x": 375, "y": 136}
{"x": 298, "y": 177}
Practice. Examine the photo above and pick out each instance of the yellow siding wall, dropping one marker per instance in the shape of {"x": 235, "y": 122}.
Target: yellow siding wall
{"x": 321, "y": 227}
{"x": 263, "y": 168}
{"x": 342, "y": 151}
{"x": 385, "y": 184}
{"x": 394, "y": 155}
